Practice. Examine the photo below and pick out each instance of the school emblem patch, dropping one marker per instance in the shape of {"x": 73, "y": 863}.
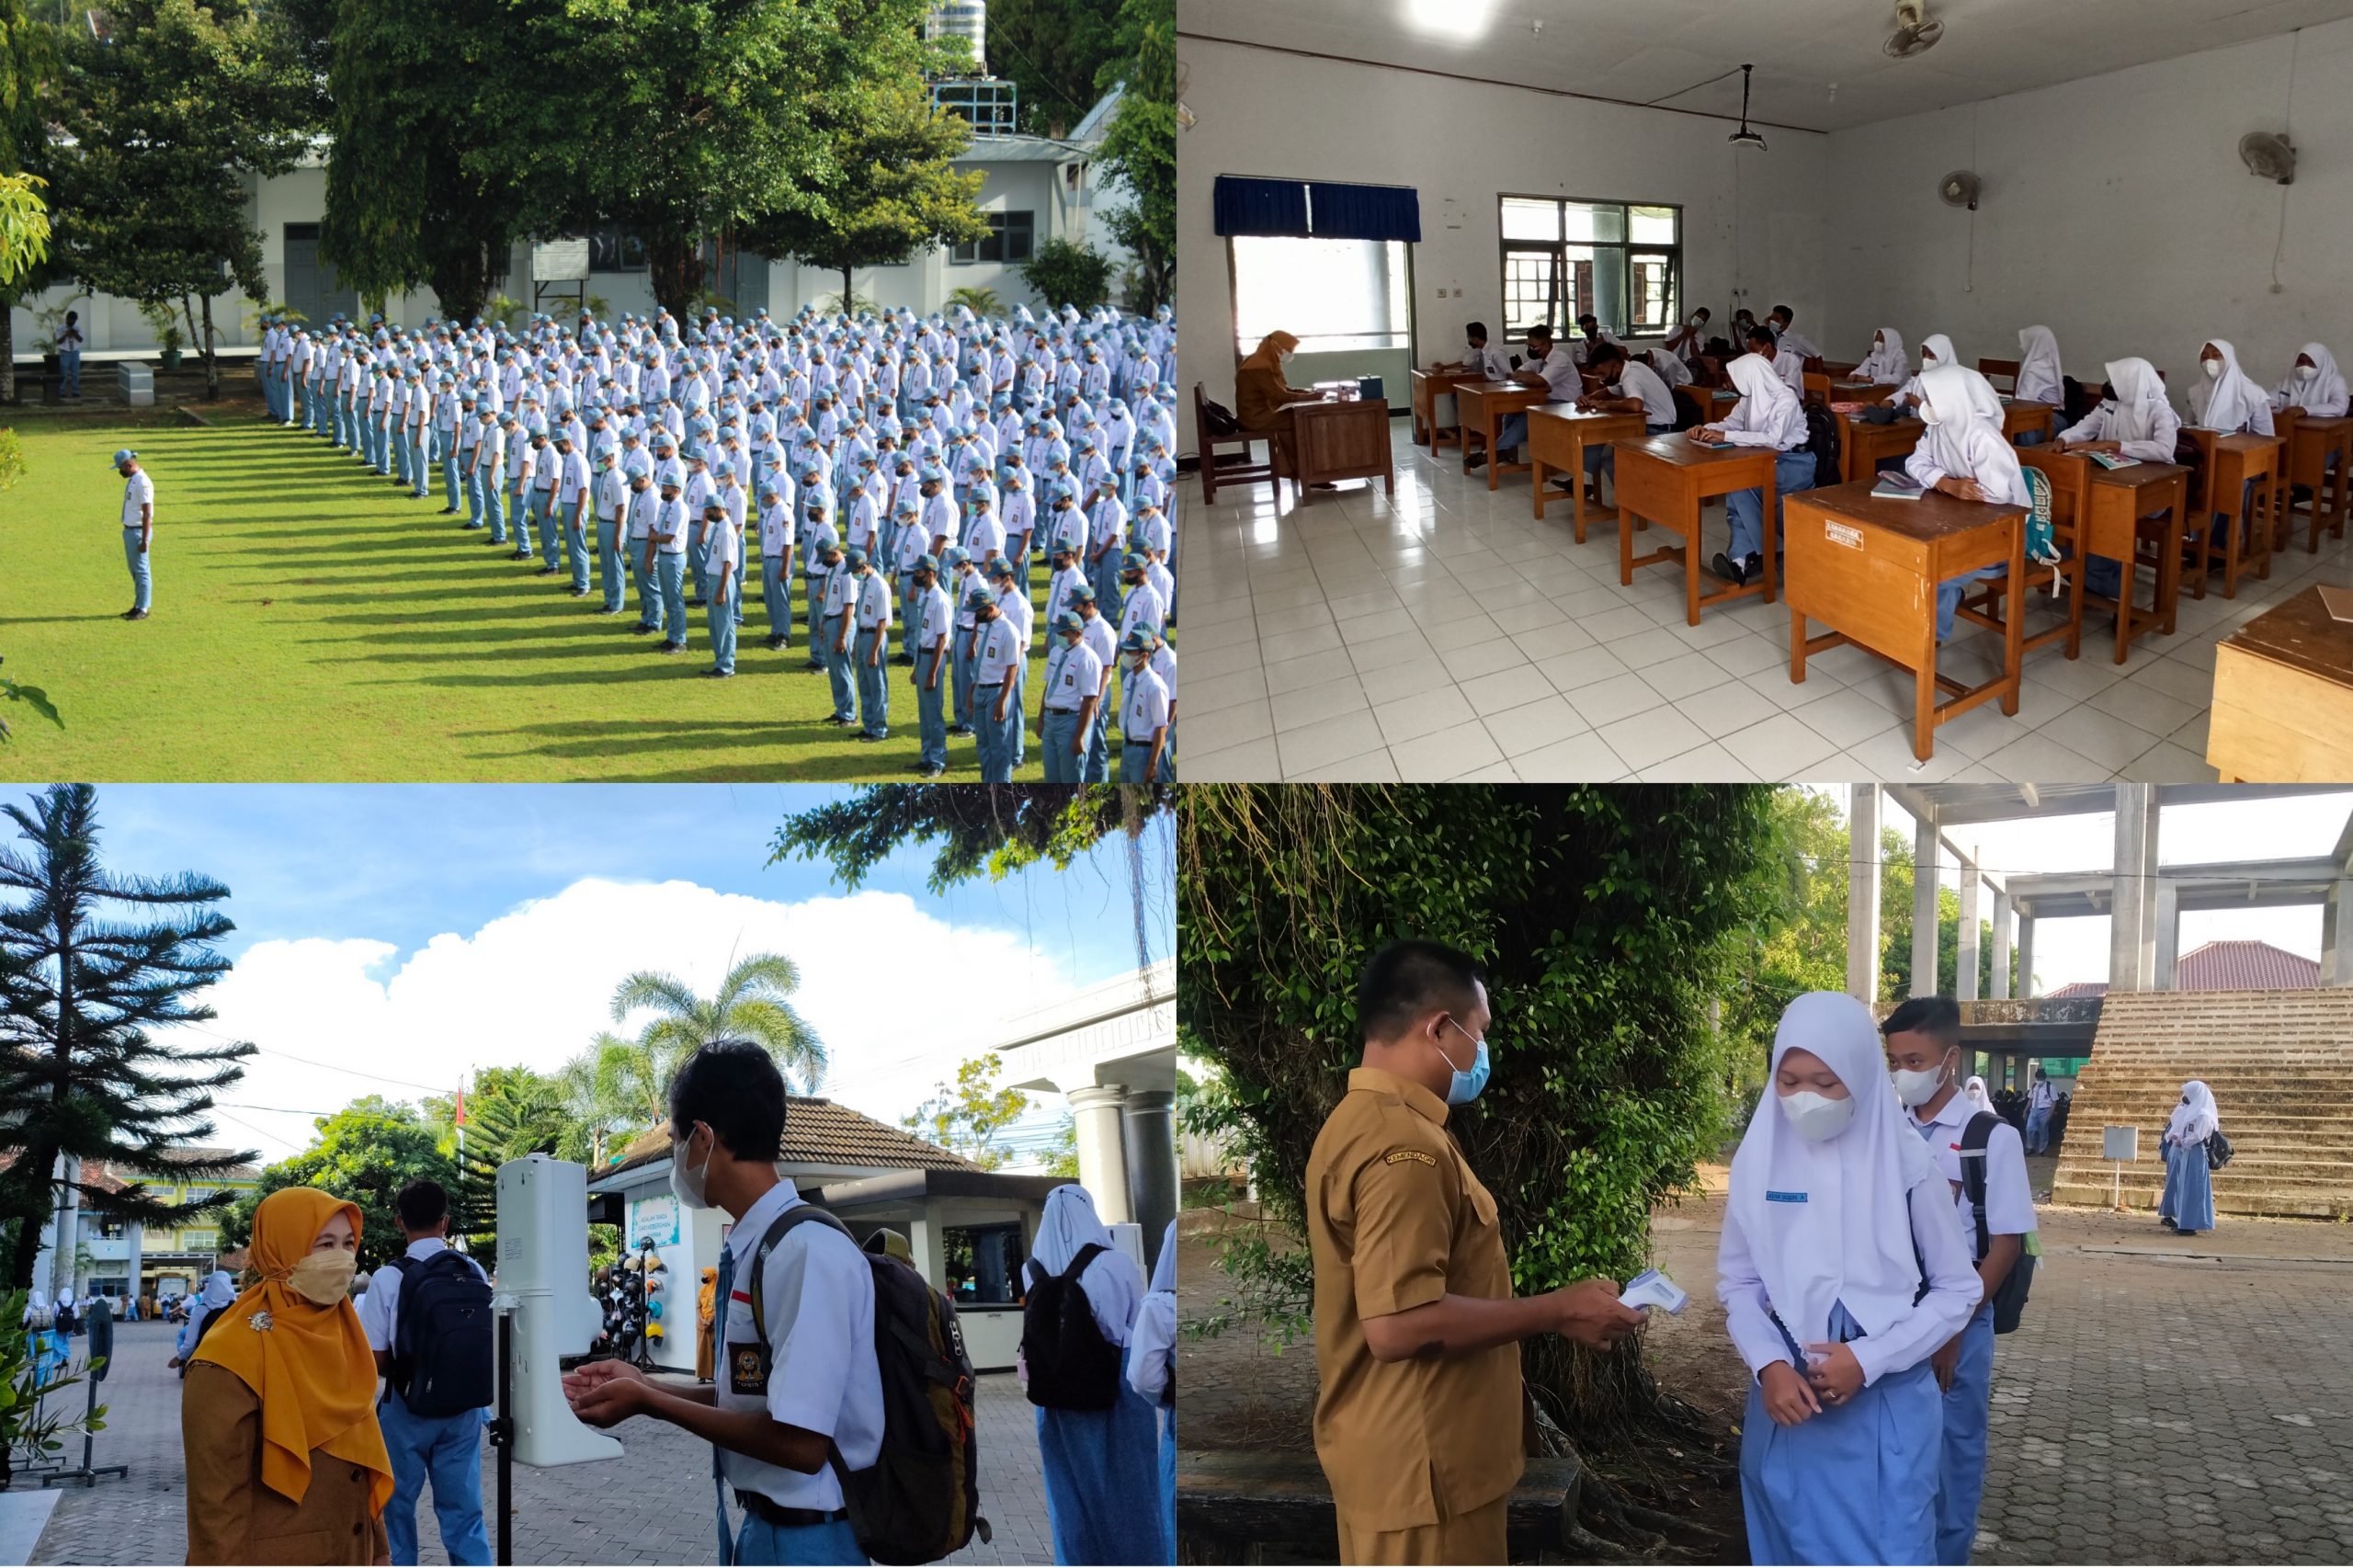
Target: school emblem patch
{"x": 743, "y": 1368}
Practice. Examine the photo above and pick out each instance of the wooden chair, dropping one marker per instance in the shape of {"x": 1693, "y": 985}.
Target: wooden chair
{"x": 1233, "y": 466}
{"x": 2005, "y": 369}
{"x": 1983, "y": 606}
{"x": 1817, "y": 387}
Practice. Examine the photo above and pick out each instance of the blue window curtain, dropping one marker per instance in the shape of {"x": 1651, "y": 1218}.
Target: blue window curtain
{"x": 1261, "y": 206}
{"x": 1366, "y": 212}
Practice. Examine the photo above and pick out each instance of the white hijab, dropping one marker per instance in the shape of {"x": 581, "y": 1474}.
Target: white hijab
{"x": 1938, "y": 347}
{"x": 2231, "y": 398}
{"x": 1974, "y": 1093}
{"x": 1966, "y": 438}
{"x": 2139, "y": 396}
{"x": 2039, "y": 358}
{"x": 1155, "y": 1335}
{"x": 2325, "y": 391}
{"x": 1850, "y": 1241}
{"x": 2197, "y": 1121}
{"x": 219, "y": 1289}
{"x": 1112, "y": 1282}
{"x": 1768, "y": 404}
{"x": 1887, "y": 362}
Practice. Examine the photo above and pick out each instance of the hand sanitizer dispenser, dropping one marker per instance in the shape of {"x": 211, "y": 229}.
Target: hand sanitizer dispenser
{"x": 544, "y": 1273}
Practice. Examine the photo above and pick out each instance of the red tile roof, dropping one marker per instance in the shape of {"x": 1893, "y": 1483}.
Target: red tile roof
{"x": 2235, "y": 965}
{"x": 820, "y": 1132}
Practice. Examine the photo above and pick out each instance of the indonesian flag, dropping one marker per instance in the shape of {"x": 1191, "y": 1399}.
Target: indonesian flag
{"x": 461, "y": 1107}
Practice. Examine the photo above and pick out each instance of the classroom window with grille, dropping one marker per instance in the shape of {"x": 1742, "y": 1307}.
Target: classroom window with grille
{"x": 1010, "y": 238}
{"x": 1619, "y": 261}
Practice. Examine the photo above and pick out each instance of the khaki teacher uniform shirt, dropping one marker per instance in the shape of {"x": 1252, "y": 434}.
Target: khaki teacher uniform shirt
{"x": 1395, "y": 1219}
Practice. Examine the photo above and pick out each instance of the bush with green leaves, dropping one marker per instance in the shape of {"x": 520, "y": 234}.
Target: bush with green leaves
{"x": 1609, "y": 920}
{"x": 1067, "y": 274}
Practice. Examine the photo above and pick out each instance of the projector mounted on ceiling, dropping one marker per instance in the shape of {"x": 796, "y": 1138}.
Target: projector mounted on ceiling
{"x": 1745, "y": 137}
{"x": 1915, "y": 32}
{"x": 2268, "y": 157}
{"x": 1959, "y": 189}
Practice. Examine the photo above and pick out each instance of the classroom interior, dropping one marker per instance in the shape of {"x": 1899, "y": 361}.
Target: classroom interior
{"x": 1412, "y": 616}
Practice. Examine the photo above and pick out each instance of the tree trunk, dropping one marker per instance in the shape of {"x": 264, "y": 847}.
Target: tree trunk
{"x": 28, "y": 1248}
{"x": 8, "y": 348}
{"x": 847, "y": 286}
{"x": 211, "y": 361}
{"x": 675, "y": 268}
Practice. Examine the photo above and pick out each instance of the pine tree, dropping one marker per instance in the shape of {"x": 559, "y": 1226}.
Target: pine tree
{"x": 92, "y": 961}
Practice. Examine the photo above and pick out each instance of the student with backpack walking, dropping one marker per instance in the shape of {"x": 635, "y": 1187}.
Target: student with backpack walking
{"x": 1983, "y": 1158}
{"x": 1152, "y": 1364}
{"x": 799, "y": 1399}
{"x": 217, "y": 1292}
{"x": 428, "y": 1321}
{"x": 1098, "y": 1435}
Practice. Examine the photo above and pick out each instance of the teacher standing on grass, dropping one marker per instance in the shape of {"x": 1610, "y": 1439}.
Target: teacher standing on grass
{"x": 1417, "y": 1409}
{"x": 138, "y": 529}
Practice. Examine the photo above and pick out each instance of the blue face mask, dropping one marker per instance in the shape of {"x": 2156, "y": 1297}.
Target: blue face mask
{"x": 1466, "y": 1087}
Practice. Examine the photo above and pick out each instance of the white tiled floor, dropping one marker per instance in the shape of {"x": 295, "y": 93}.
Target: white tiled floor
{"x": 1446, "y": 634}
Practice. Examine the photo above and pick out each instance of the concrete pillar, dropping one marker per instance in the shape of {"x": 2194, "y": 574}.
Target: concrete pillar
{"x": 2002, "y": 936}
{"x": 2168, "y": 935}
{"x": 137, "y": 1233}
{"x": 2026, "y": 954}
{"x": 1924, "y": 910}
{"x": 1862, "y": 893}
{"x": 2149, "y": 881}
{"x": 2336, "y": 935}
{"x": 68, "y": 1237}
{"x": 2125, "y": 932}
{"x": 1149, "y": 1119}
{"x": 927, "y": 1239}
{"x": 1102, "y": 1156}
{"x": 1965, "y": 953}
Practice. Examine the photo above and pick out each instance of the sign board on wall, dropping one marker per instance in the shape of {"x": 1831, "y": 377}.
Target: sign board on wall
{"x": 653, "y": 1219}
{"x": 560, "y": 260}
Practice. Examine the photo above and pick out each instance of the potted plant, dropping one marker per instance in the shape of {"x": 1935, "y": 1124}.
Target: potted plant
{"x": 168, "y": 338}
{"x": 25, "y": 1377}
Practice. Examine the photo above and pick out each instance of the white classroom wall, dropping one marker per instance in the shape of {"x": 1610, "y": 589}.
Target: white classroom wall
{"x": 2115, "y": 212}
{"x": 1751, "y": 222}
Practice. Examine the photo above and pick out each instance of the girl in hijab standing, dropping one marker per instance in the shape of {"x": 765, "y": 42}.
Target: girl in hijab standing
{"x": 1151, "y": 1365}
{"x": 1974, "y": 1093}
{"x": 1886, "y": 363}
{"x": 2187, "y": 1205}
{"x": 1842, "y": 1271}
{"x": 1102, "y": 1489}
{"x": 1768, "y": 414}
{"x": 1963, "y": 454}
{"x": 285, "y": 1460}
{"x": 217, "y": 1292}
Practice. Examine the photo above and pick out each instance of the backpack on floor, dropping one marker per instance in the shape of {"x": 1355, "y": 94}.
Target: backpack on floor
{"x": 442, "y": 1336}
{"x": 2009, "y": 1299}
{"x": 920, "y": 1499}
{"x": 1072, "y": 1365}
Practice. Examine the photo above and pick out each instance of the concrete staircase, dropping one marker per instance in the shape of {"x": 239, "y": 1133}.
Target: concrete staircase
{"x": 2280, "y": 1064}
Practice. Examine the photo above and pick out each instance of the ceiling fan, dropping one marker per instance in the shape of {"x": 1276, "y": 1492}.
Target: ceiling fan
{"x": 1916, "y": 32}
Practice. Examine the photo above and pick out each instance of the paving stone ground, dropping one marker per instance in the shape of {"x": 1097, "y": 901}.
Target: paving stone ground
{"x": 2165, "y": 1402}
{"x": 654, "y": 1506}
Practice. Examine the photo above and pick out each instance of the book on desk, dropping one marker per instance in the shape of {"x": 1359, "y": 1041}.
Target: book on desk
{"x": 1894, "y": 485}
{"x": 2114, "y": 460}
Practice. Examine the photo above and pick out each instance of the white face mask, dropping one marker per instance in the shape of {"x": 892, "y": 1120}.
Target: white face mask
{"x": 2306, "y": 372}
{"x": 1817, "y": 1117}
{"x": 2213, "y": 368}
{"x": 687, "y": 1184}
{"x": 1918, "y": 1088}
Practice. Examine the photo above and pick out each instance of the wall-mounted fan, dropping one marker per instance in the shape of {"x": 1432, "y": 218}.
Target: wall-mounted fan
{"x": 1916, "y": 31}
{"x": 2267, "y": 157}
{"x": 1959, "y": 189}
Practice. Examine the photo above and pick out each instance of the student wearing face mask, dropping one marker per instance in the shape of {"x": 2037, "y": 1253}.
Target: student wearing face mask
{"x": 1263, "y": 399}
{"x": 1842, "y": 1271}
{"x": 1963, "y": 454}
{"x": 2312, "y": 383}
{"x": 1417, "y": 1410}
{"x": 1480, "y": 357}
{"x": 285, "y": 1460}
{"x": 1935, "y": 349}
{"x": 798, "y": 1379}
{"x": 1768, "y": 414}
{"x": 2226, "y": 398}
{"x": 1886, "y": 363}
{"x": 2187, "y": 1203}
{"x": 1689, "y": 341}
{"x": 1923, "y": 1038}
{"x": 2132, "y": 419}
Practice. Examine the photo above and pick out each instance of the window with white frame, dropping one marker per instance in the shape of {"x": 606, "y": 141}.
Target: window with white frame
{"x": 1619, "y": 261}
{"x": 1330, "y": 294}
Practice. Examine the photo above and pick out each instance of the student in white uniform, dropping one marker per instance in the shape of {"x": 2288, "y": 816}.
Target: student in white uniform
{"x": 1480, "y": 357}
{"x": 1886, "y": 363}
{"x": 2312, "y": 383}
{"x": 1548, "y": 365}
{"x": 1144, "y": 709}
{"x": 137, "y": 530}
{"x": 1786, "y": 361}
{"x": 2132, "y": 420}
{"x": 2040, "y": 379}
{"x": 1780, "y": 320}
{"x": 1689, "y": 341}
{"x": 2226, "y": 399}
{"x": 1768, "y": 414}
{"x": 1963, "y": 454}
{"x": 1922, "y": 1037}
{"x": 1667, "y": 367}
{"x": 1935, "y": 349}
{"x": 798, "y": 1378}
{"x": 1629, "y": 386}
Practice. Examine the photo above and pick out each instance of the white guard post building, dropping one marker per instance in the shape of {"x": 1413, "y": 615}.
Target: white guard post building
{"x": 970, "y": 1230}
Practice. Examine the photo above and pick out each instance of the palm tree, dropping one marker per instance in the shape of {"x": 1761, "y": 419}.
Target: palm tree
{"x": 980, "y": 301}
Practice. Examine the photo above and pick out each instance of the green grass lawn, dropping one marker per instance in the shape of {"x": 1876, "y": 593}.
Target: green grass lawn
{"x": 313, "y": 622}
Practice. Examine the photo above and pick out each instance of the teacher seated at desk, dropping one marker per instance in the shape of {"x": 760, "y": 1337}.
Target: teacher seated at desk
{"x": 1262, "y": 401}
{"x": 1551, "y": 369}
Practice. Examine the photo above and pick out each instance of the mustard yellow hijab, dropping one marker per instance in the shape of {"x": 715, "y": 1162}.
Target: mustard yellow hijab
{"x": 310, "y": 1365}
{"x": 1268, "y": 354}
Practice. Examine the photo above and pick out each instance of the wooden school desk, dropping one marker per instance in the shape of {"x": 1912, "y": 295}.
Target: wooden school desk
{"x": 1558, "y": 434}
{"x": 1862, "y": 444}
{"x": 1665, "y": 479}
{"x": 2019, "y": 419}
{"x": 1482, "y": 405}
{"x": 1860, "y": 392}
{"x": 2311, "y": 443}
{"x": 1428, "y": 387}
{"x": 2230, "y": 463}
{"x": 1348, "y": 438}
{"x": 1868, "y": 568}
{"x": 2111, "y": 509}
{"x": 2283, "y": 697}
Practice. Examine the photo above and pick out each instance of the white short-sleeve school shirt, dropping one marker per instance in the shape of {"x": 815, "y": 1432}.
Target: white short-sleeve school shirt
{"x": 819, "y": 1295}
{"x": 2009, "y": 1203}
{"x": 1144, "y": 709}
{"x": 138, "y": 493}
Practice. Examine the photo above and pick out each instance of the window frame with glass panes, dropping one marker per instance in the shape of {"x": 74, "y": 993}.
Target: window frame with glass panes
{"x": 1551, "y": 273}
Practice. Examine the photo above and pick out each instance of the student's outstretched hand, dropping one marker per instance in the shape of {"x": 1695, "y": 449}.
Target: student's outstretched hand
{"x": 604, "y": 1392}
{"x": 1787, "y": 1399}
{"x": 1837, "y": 1375}
{"x": 1591, "y": 1314}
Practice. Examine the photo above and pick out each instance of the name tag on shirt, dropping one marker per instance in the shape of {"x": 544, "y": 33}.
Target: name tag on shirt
{"x": 1785, "y": 1197}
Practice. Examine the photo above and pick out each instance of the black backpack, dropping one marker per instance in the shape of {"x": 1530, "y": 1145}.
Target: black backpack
{"x": 2218, "y": 1150}
{"x": 442, "y": 1336}
{"x": 920, "y": 1499}
{"x": 2009, "y": 1299}
{"x": 1072, "y": 1365}
{"x": 1822, "y": 440}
